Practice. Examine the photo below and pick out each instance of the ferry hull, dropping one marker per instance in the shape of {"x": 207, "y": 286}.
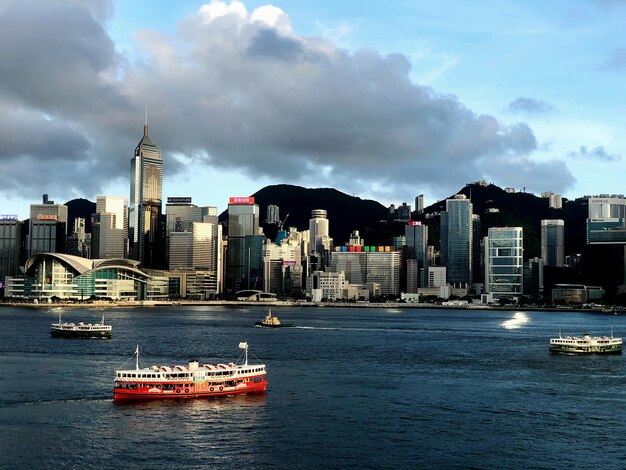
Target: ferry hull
{"x": 573, "y": 352}
{"x": 80, "y": 334}
{"x": 185, "y": 392}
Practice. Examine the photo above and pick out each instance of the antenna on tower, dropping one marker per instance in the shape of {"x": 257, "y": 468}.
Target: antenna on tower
{"x": 145, "y": 126}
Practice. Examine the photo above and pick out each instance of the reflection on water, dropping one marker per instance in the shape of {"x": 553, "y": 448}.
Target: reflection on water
{"x": 519, "y": 319}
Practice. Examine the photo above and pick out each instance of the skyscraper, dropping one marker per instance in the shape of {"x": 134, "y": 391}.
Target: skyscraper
{"x": 504, "y": 261}
{"x": 456, "y": 239}
{"x": 553, "y": 242}
{"x": 47, "y": 227}
{"x": 417, "y": 248}
{"x": 110, "y": 228}
{"x": 419, "y": 204}
{"x": 243, "y": 221}
{"x": 10, "y": 229}
{"x": 146, "y": 194}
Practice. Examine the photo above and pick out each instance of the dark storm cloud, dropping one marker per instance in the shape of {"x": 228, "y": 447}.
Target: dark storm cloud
{"x": 597, "y": 153}
{"x": 530, "y": 106}
{"x": 236, "y": 90}
{"x": 268, "y": 43}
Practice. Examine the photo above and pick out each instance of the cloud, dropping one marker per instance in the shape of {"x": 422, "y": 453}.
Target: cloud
{"x": 597, "y": 153}
{"x": 532, "y": 175}
{"x": 234, "y": 89}
{"x": 530, "y": 106}
{"x": 616, "y": 60}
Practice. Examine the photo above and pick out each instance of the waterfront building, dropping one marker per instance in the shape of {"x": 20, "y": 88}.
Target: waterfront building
{"x": 193, "y": 238}
{"x": 10, "y": 236}
{"x": 282, "y": 268}
{"x": 192, "y": 284}
{"x": 320, "y": 242}
{"x": 328, "y": 286}
{"x": 606, "y": 221}
{"x": 417, "y": 248}
{"x": 504, "y": 261}
{"x": 456, "y": 239}
{"x": 412, "y": 276}
{"x": 553, "y": 242}
{"x": 369, "y": 264}
{"x": 533, "y": 277}
{"x": 318, "y": 231}
{"x": 63, "y": 276}
{"x": 146, "y": 235}
{"x": 243, "y": 222}
{"x": 436, "y": 276}
{"x": 109, "y": 228}
{"x": 47, "y": 230}
{"x": 577, "y": 294}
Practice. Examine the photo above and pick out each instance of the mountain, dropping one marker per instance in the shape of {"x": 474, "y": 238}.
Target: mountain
{"x": 518, "y": 209}
{"x": 345, "y": 213}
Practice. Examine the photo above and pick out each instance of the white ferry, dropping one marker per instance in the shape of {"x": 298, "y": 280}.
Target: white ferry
{"x": 80, "y": 330}
{"x": 193, "y": 380}
{"x": 586, "y": 345}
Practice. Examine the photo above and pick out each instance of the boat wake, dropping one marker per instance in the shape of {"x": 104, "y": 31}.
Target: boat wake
{"x": 519, "y": 319}
{"x": 330, "y": 328}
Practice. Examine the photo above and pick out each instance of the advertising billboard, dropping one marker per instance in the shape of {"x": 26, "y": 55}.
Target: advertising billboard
{"x": 241, "y": 200}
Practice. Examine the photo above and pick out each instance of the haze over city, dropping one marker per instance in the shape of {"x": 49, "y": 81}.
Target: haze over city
{"x": 382, "y": 101}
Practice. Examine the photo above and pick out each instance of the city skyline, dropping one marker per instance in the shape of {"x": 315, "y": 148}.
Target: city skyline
{"x": 415, "y": 99}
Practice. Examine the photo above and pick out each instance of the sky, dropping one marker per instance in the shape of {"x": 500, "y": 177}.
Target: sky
{"x": 382, "y": 100}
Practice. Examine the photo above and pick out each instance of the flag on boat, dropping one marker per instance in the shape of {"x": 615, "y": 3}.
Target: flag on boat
{"x": 243, "y": 345}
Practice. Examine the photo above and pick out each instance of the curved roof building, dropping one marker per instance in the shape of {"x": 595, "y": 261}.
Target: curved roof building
{"x": 67, "y": 276}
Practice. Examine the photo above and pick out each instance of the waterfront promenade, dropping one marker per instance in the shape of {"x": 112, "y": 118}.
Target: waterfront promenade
{"x": 286, "y": 304}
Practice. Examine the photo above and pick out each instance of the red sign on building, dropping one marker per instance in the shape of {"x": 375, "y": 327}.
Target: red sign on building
{"x": 241, "y": 200}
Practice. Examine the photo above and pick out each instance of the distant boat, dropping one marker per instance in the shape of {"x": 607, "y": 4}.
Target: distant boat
{"x": 573, "y": 345}
{"x": 271, "y": 321}
{"x": 80, "y": 330}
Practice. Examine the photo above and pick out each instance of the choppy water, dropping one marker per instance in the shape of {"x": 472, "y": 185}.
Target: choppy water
{"x": 348, "y": 388}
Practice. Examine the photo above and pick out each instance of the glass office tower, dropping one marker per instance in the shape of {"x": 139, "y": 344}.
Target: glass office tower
{"x": 146, "y": 194}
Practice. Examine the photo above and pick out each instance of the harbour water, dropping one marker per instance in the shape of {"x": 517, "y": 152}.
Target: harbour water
{"x": 348, "y": 388}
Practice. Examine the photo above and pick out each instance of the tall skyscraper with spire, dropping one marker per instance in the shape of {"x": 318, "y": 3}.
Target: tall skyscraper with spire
{"x": 145, "y": 219}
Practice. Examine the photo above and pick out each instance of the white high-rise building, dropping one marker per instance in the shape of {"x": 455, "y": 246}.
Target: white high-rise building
{"x": 504, "y": 261}
{"x": 110, "y": 228}
{"x": 318, "y": 231}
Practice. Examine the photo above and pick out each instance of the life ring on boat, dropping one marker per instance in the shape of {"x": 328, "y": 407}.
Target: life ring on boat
{"x": 186, "y": 390}
{"x": 221, "y": 388}
{"x": 211, "y": 389}
{"x": 178, "y": 391}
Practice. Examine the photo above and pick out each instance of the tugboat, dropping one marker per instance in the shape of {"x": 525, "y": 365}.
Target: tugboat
{"x": 271, "y": 321}
{"x": 80, "y": 330}
{"x": 189, "y": 381}
{"x": 574, "y": 345}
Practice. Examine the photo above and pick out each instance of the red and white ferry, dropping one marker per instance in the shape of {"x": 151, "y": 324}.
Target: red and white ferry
{"x": 194, "y": 380}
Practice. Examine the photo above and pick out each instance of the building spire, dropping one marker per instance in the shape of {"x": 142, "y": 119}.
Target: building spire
{"x": 145, "y": 126}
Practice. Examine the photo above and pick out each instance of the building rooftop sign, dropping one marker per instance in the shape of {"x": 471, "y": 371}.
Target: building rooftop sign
{"x": 179, "y": 200}
{"x": 241, "y": 200}
{"x": 8, "y": 217}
